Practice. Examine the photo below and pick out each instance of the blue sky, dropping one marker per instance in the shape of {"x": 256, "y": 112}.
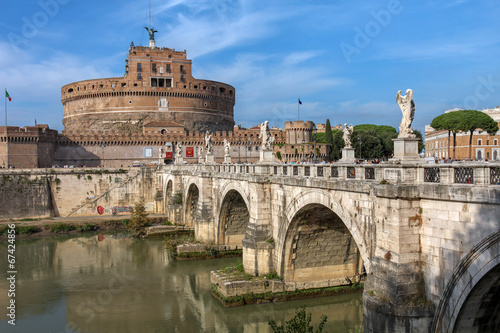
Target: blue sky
{"x": 345, "y": 59}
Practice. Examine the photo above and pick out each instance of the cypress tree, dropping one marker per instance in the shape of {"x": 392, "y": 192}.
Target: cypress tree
{"x": 329, "y": 137}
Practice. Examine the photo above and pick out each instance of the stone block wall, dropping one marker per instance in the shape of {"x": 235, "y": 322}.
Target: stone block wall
{"x": 24, "y": 196}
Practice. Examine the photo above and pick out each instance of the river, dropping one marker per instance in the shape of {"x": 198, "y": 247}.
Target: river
{"x": 119, "y": 284}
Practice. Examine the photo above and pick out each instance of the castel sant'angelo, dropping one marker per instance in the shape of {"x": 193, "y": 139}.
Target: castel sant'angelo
{"x": 118, "y": 121}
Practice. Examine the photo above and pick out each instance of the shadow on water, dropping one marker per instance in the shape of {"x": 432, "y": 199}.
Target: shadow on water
{"x": 118, "y": 284}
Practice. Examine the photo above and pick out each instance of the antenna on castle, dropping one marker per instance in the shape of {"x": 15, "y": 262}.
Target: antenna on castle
{"x": 151, "y": 30}
{"x": 149, "y": 13}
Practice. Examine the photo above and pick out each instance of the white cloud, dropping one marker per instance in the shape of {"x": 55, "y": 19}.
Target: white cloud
{"x": 35, "y": 84}
{"x": 298, "y": 57}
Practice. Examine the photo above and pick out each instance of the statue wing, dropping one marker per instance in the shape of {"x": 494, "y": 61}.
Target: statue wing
{"x": 399, "y": 98}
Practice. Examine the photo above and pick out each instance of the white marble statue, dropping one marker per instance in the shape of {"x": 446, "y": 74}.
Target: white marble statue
{"x": 347, "y": 132}
{"x": 407, "y": 107}
{"x": 265, "y": 136}
{"x": 227, "y": 146}
{"x": 209, "y": 144}
{"x": 178, "y": 150}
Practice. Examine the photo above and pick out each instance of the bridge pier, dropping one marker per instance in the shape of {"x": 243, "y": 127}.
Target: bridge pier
{"x": 387, "y": 302}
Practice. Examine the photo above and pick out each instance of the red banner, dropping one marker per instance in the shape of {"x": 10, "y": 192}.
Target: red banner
{"x": 168, "y": 154}
{"x": 189, "y": 151}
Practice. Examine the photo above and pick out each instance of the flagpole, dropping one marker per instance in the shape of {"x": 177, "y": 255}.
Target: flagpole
{"x": 298, "y": 108}
{"x": 5, "y": 98}
{"x": 6, "y": 132}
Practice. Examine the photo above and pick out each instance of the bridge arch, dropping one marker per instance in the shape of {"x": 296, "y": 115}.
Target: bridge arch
{"x": 190, "y": 206}
{"x": 470, "y": 299}
{"x": 330, "y": 219}
{"x": 171, "y": 185}
{"x": 233, "y": 214}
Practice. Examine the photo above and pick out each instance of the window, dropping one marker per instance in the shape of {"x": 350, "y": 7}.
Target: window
{"x": 182, "y": 78}
{"x": 139, "y": 76}
{"x": 479, "y": 142}
{"x": 495, "y": 142}
{"x": 153, "y": 69}
{"x": 161, "y": 82}
{"x": 168, "y": 68}
{"x": 182, "y": 69}
{"x": 139, "y": 67}
{"x": 161, "y": 69}
{"x": 148, "y": 152}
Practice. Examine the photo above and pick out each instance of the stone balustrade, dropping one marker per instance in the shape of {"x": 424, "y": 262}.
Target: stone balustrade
{"x": 473, "y": 173}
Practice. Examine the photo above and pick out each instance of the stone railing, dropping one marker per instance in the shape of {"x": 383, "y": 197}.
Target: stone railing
{"x": 445, "y": 174}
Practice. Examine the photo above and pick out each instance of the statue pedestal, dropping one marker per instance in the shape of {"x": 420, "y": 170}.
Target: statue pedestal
{"x": 406, "y": 149}
{"x": 266, "y": 156}
{"x": 210, "y": 159}
{"x": 227, "y": 159}
{"x": 347, "y": 155}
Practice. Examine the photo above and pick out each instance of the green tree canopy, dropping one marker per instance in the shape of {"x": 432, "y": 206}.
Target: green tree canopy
{"x": 472, "y": 120}
{"x": 450, "y": 122}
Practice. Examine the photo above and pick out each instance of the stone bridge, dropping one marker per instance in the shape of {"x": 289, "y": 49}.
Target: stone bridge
{"x": 427, "y": 237}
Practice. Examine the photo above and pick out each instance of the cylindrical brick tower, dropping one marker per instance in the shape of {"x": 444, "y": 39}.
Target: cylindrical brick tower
{"x": 157, "y": 86}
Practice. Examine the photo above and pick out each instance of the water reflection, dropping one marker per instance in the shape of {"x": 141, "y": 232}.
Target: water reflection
{"x": 113, "y": 284}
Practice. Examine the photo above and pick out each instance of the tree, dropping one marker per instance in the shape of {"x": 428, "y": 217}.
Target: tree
{"x": 421, "y": 144}
{"x": 337, "y": 145}
{"x": 329, "y": 136}
{"x": 367, "y": 143}
{"x": 376, "y": 140}
{"x": 472, "y": 120}
{"x": 301, "y": 323}
{"x": 450, "y": 122}
{"x": 278, "y": 155}
{"x": 139, "y": 220}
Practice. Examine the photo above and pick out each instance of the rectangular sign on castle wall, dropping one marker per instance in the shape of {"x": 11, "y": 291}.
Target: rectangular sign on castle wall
{"x": 189, "y": 151}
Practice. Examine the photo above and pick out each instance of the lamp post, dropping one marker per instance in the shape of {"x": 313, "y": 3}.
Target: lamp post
{"x": 360, "y": 143}
{"x": 315, "y": 160}
{"x": 239, "y": 150}
{"x": 102, "y": 149}
{"x": 303, "y": 158}
{"x": 246, "y": 149}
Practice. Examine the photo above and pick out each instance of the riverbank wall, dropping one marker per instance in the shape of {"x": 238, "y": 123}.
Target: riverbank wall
{"x": 36, "y": 193}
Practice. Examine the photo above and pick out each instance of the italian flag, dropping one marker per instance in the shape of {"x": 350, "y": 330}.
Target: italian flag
{"x": 7, "y": 96}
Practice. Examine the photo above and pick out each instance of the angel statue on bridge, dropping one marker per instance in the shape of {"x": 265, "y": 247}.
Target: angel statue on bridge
{"x": 178, "y": 151}
{"x": 209, "y": 144}
{"x": 265, "y": 135}
{"x": 347, "y": 132}
{"x": 407, "y": 106}
{"x": 227, "y": 146}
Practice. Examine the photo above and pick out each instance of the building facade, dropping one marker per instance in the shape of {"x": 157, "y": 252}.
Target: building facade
{"x": 27, "y": 147}
{"x": 157, "y": 86}
{"x": 484, "y": 146}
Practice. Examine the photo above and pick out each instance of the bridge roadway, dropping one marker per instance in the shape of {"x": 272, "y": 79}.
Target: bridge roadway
{"x": 426, "y": 236}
